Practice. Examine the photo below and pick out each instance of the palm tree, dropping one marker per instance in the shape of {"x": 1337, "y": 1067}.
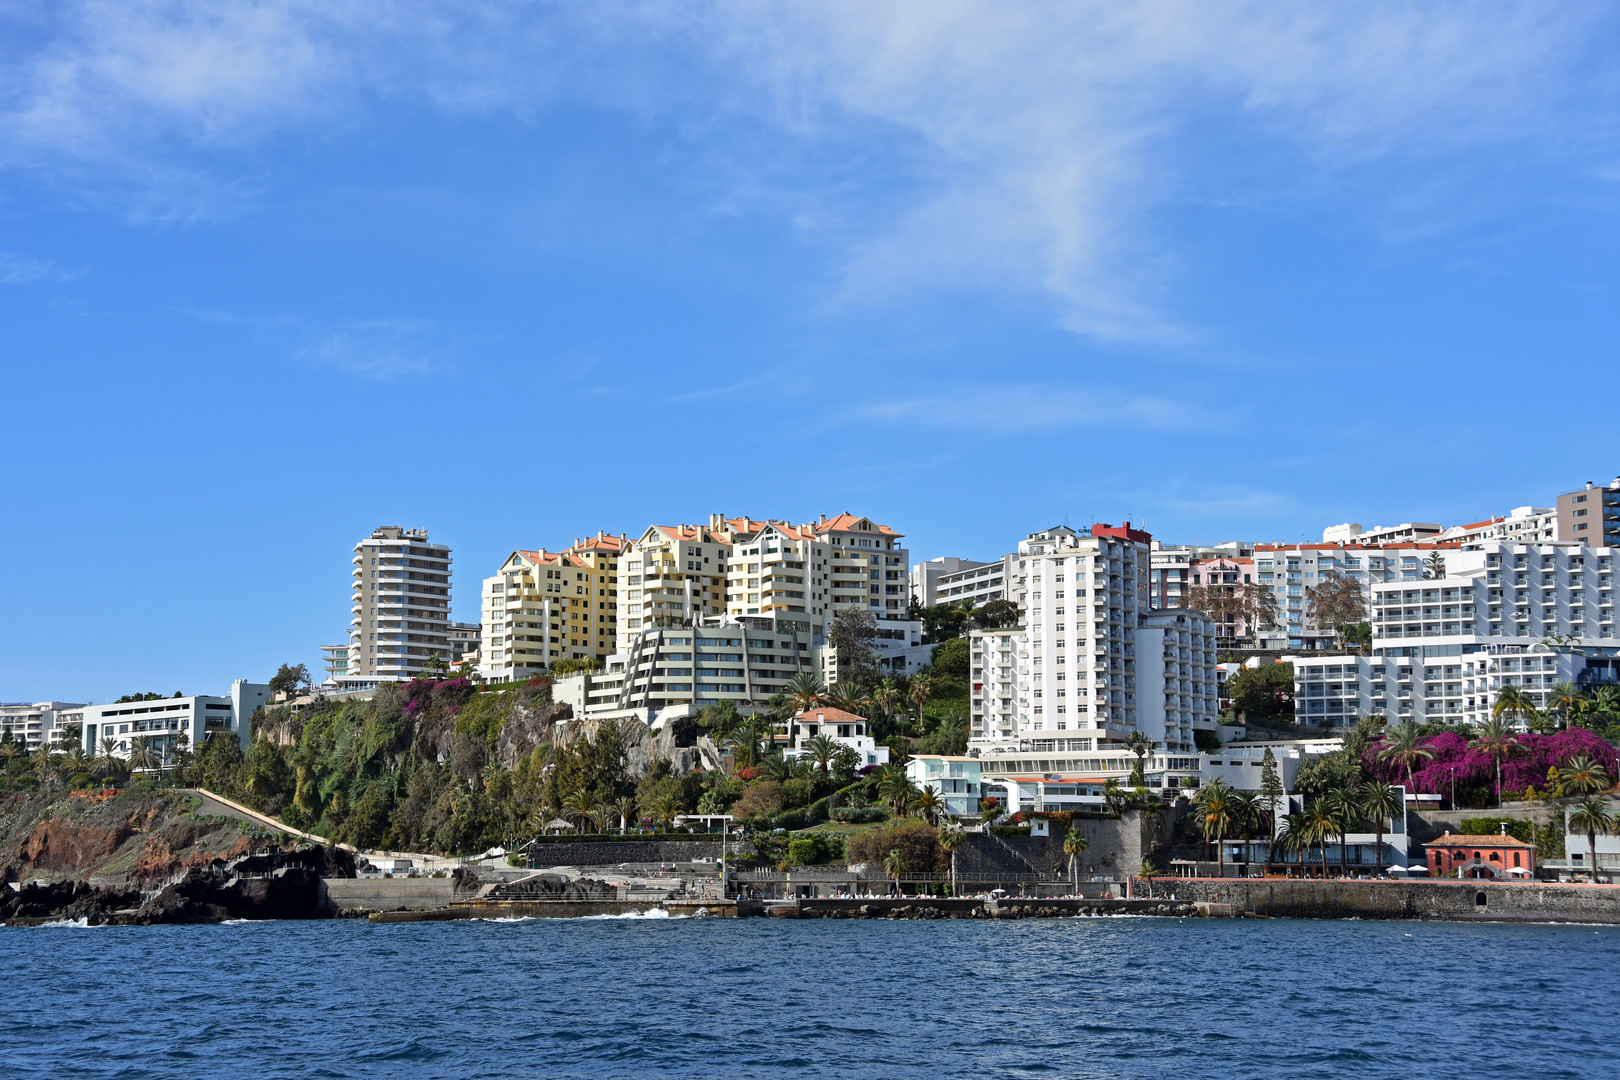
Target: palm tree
{"x": 1214, "y": 818}
{"x": 932, "y": 804}
{"x": 664, "y": 809}
{"x": 887, "y": 697}
{"x": 1582, "y": 776}
{"x": 894, "y": 866}
{"x": 108, "y": 757}
{"x": 896, "y": 787}
{"x": 1343, "y": 804}
{"x": 45, "y": 762}
{"x": 143, "y": 754}
{"x": 1113, "y": 797}
{"x": 1074, "y": 845}
{"x": 1140, "y": 745}
{"x": 1402, "y": 744}
{"x": 952, "y": 836}
{"x": 1564, "y": 699}
{"x": 625, "y": 807}
{"x": 1593, "y": 819}
{"x": 76, "y": 761}
{"x": 601, "y": 814}
{"x": 921, "y": 690}
{"x": 578, "y": 806}
{"x": 847, "y": 696}
{"x": 1379, "y": 803}
{"x": 822, "y": 751}
{"x": 1511, "y": 701}
{"x": 805, "y": 691}
{"x": 1246, "y": 815}
{"x": 1320, "y": 825}
{"x": 1296, "y": 835}
{"x": 1496, "y": 737}
{"x": 776, "y": 767}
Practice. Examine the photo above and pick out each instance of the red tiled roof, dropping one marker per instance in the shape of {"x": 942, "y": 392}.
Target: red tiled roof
{"x": 1450, "y": 840}
{"x": 847, "y": 521}
{"x": 829, "y": 716}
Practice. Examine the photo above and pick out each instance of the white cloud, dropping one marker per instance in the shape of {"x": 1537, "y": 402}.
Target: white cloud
{"x": 1025, "y": 407}
{"x": 26, "y": 270}
{"x": 382, "y": 350}
{"x": 1045, "y": 136}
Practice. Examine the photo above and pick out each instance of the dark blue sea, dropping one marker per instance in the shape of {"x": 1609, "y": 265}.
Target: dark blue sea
{"x": 658, "y": 997}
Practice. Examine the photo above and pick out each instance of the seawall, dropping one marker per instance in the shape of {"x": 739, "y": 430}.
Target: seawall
{"x": 1466, "y": 901}
{"x": 388, "y": 894}
{"x": 612, "y": 853}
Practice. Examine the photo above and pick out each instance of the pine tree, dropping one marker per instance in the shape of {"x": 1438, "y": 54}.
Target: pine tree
{"x": 1271, "y": 797}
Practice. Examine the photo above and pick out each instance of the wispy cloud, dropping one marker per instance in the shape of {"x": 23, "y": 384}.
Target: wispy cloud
{"x": 1020, "y": 408}
{"x": 382, "y": 350}
{"x": 1032, "y": 146}
{"x": 26, "y": 270}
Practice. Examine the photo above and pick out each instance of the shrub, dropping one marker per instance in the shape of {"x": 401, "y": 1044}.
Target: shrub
{"x": 1206, "y": 740}
{"x": 804, "y": 851}
{"x": 916, "y": 840}
{"x": 1489, "y": 826}
{"x": 856, "y": 815}
{"x": 81, "y": 781}
{"x": 792, "y": 821}
{"x": 762, "y": 797}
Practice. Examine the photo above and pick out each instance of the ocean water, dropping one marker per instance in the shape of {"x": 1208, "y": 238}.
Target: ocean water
{"x": 661, "y": 997}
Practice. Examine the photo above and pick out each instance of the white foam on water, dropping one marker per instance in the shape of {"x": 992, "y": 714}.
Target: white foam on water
{"x": 72, "y": 923}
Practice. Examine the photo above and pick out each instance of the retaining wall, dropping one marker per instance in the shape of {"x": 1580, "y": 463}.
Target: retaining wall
{"x": 611, "y": 853}
{"x": 388, "y": 894}
{"x": 1502, "y": 902}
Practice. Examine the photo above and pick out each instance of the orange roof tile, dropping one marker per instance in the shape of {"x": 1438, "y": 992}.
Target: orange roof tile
{"x": 1459, "y": 840}
{"x": 847, "y": 521}
{"x": 829, "y": 716}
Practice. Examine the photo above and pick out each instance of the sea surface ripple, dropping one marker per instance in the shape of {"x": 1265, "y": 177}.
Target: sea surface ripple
{"x": 1122, "y": 997}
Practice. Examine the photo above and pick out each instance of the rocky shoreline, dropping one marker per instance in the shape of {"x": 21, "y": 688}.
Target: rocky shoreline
{"x": 272, "y": 884}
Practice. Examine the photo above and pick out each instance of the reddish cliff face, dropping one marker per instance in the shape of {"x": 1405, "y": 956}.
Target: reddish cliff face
{"x": 70, "y": 849}
{"x": 144, "y": 836}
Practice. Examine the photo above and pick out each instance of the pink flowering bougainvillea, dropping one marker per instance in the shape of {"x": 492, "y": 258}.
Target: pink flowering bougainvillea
{"x": 1528, "y": 764}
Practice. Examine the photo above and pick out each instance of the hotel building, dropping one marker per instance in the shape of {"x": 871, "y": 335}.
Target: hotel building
{"x": 400, "y": 606}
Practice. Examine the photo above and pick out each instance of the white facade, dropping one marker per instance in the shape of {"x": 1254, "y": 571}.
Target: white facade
{"x": 844, "y": 728}
{"x": 199, "y": 717}
{"x": 400, "y": 605}
{"x": 925, "y": 577}
{"x": 1057, "y": 697}
{"x": 973, "y": 581}
{"x": 1504, "y": 614}
{"x": 956, "y": 779}
{"x": 33, "y": 723}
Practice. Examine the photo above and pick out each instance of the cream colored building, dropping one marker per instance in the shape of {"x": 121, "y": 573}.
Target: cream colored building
{"x": 545, "y": 606}
{"x": 400, "y": 605}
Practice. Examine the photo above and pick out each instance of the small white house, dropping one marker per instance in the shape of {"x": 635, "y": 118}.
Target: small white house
{"x": 843, "y": 728}
{"x": 955, "y": 778}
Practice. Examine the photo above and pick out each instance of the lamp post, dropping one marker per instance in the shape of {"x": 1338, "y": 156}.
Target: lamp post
{"x": 1452, "y": 770}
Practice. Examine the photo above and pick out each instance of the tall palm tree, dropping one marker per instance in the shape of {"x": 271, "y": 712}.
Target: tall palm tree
{"x": 1296, "y": 836}
{"x": 625, "y": 807}
{"x": 1496, "y": 738}
{"x": 1380, "y": 804}
{"x": 1564, "y": 699}
{"x": 1245, "y": 816}
{"x": 143, "y": 754}
{"x": 921, "y": 690}
{"x": 952, "y": 836}
{"x": 108, "y": 757}
{"x": 1511, "y": 702}
{"x": 1074, "y": 845}
{"x": 776, "y": 767}
{"x": 1583, "y": 776}
{"x": 76, "y": 761}
{"x": 822, "y": 751}
{"x": 1403, "y": 744}
{"x": 46, "y": 760}
{"x": 1321, "y": 826}
{"x": 577, "y": 807}
{"x": 1591, "y": 817}
{"x": 887, "y": 698}
{"x": 664, "y": 809}
{"x": 894, "y": 866}
{"x": 1214, "y": 818}
{"x": 1344, "y": 806}
{"x": 805, "y": 691}
{"x": 601, "y": 814}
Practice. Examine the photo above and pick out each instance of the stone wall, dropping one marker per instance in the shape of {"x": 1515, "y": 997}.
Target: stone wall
{"x": 387, "y": 894}
{"x": 612, "y": 853}
{"x": 1502, "y": 902}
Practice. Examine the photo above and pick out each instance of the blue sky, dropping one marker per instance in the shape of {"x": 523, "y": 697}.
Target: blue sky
{"x": 274, "y": 274}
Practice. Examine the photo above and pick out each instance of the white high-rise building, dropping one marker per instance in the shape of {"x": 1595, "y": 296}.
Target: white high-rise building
{"x": 30, "y": 723}
{"x": 1503, "y": 614}
{"x": 1059, "y": 695}
{"x": 400, "y": 606}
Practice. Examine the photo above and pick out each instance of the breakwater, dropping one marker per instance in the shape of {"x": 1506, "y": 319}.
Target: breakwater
{"x": 1450, "y": 900}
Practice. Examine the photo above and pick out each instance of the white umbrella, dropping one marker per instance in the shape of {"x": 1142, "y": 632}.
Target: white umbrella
{"x": 1417, "y": 868}
{"x": 1395, "y": 868}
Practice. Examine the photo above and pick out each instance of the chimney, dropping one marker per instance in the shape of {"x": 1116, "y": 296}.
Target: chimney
{"x": 1503, "y": 824}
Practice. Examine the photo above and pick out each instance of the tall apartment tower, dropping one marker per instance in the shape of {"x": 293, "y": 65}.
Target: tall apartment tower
{"x": 401, "y": 605}
{"x": 1591, "y": 515}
